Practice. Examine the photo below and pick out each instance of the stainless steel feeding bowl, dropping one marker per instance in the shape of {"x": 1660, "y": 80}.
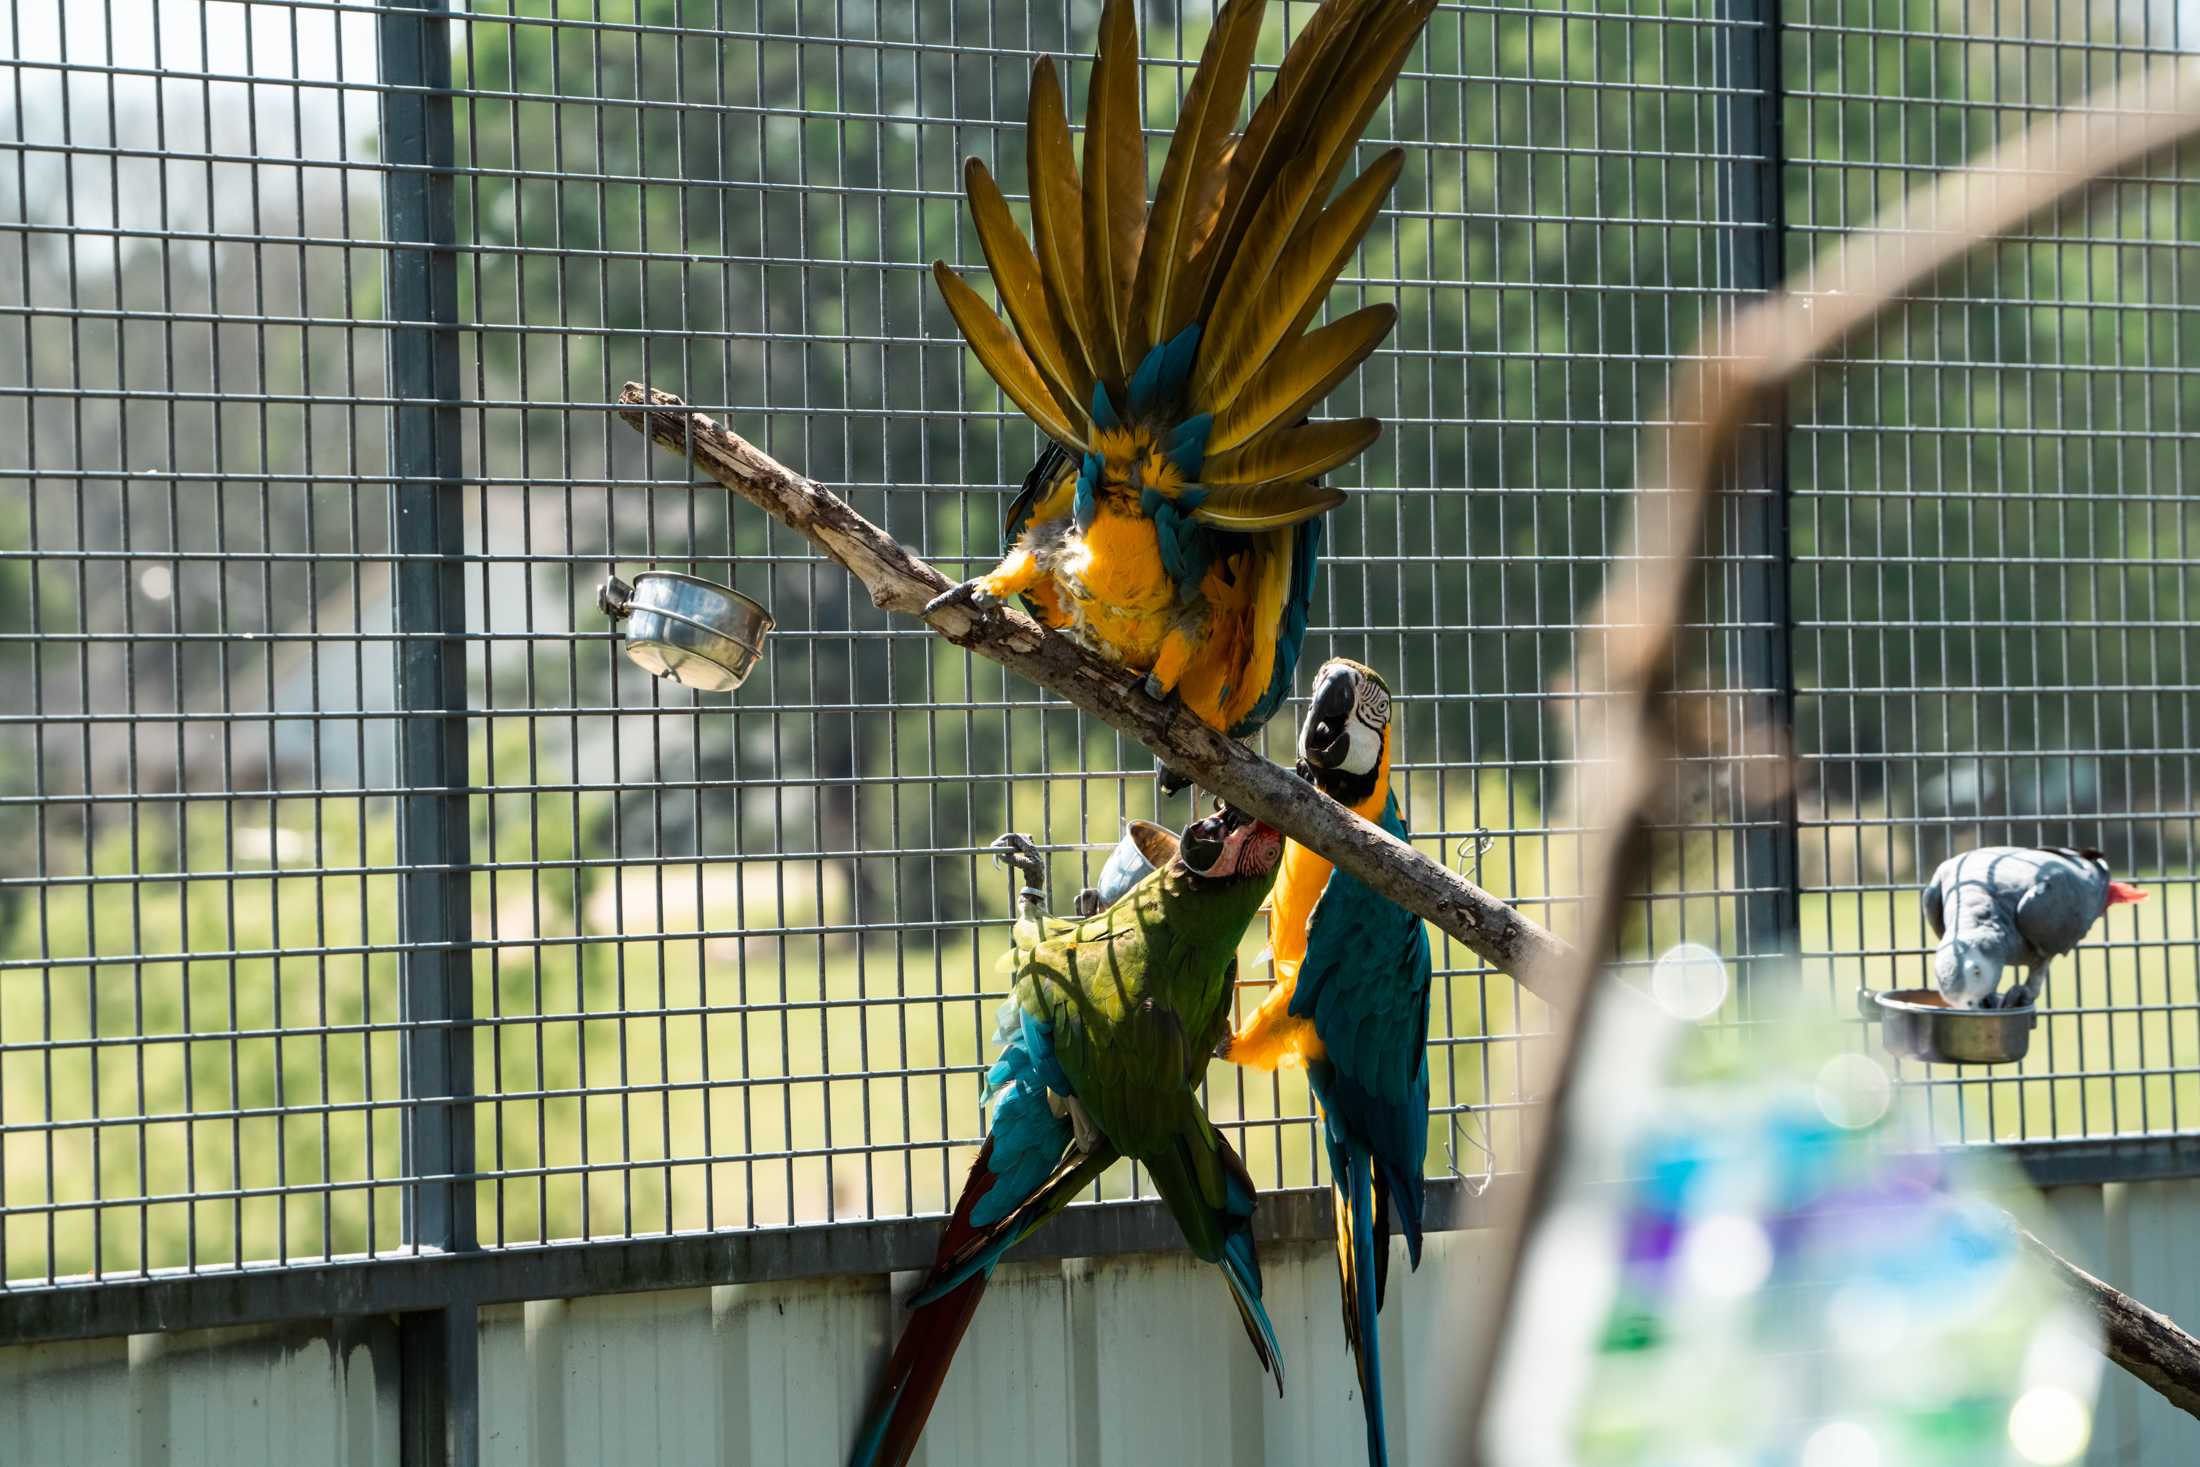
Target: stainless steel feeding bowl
{"x": 698, "y": 633}
{"x": 1918, "y": 1024}
{"x": 1144, "y": 847}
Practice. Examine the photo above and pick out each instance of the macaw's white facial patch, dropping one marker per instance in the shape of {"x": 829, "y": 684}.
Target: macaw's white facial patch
{"x": 1372, "y": 706}
{"x": 1363, "y": 749}
{"x": 1370, "y": 716}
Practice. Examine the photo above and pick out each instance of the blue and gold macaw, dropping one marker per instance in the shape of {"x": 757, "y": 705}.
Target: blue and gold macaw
{"x": 1351, "y": 1005}
{"x": 1104, "y": 1040}
{"x": 1173, "y": 525}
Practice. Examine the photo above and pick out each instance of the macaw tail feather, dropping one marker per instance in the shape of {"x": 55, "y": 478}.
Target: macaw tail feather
{"x": 1382, "y": 1248}
{"x": 948, "y": 1300}
{"x": 1242, "y": 1269}
{"x": 1362, "y": 1265}
{"x": 1108, "y": 301}
{"x": 913, "y": 1377}
{"x": 1294, "y": 612}
{"x": 974, "y": 1252}
{"x": 1211, "y": 1196}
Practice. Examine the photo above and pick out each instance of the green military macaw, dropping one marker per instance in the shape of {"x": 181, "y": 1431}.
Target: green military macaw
{"x": 1104, "y": 1039}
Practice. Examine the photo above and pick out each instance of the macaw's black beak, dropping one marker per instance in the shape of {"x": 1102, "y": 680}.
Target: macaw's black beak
{"x": 1327, "y": 733}
{"x": 1201, "y": 845}
{"x": 1228, "y": 843}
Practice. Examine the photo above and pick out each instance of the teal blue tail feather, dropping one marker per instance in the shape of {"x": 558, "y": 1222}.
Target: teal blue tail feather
{"x": 1360, "y": 1270}
{"x": 1242, "y": 1269}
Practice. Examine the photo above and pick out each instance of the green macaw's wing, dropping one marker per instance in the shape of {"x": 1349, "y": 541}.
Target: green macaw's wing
{"x": 1135, "y": 996}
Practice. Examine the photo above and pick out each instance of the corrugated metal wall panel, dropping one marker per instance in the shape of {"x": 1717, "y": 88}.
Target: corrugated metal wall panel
{"x": 2082, "y": 1233}
{"x": 1090, "y": 1363}
{"x": 1025, "y": 1380}
{"x": 2153, "y": 1225}
{"x": 68, "y": 1402}
{"x": 301, "y": 1395}
{"x": 1087, "y": 1363}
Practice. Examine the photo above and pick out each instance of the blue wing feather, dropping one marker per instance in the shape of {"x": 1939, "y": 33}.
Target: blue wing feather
{"x": 1028, "y": 1137}
{"x": 1161, "y": 377}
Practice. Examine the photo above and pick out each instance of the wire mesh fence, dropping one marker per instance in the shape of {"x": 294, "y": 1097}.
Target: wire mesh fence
{"x": 299, "y": 963}
{"x": 1992, "y": 562}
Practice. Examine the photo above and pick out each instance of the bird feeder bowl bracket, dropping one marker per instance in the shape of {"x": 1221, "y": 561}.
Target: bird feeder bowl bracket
{"x": 695, "y": 632}
{"x": 1918, "y": 1024}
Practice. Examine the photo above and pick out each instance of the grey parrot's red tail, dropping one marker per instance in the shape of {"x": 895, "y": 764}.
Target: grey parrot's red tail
{"x": 2123, "y": 891}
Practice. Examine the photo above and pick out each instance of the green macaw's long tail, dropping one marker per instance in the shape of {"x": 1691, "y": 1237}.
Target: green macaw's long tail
{"x": 1211, "y": 1194}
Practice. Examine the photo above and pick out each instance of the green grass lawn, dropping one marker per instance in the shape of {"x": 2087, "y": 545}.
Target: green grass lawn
{"x": 737, "y": 1067}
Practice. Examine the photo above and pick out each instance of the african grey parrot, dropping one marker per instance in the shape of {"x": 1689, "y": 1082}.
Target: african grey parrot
{"x": 2013, "y": 904}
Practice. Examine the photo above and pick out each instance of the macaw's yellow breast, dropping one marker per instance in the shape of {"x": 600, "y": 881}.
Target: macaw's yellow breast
{"x": 1300, "y": 877}
{"x": 1124, "y": 599}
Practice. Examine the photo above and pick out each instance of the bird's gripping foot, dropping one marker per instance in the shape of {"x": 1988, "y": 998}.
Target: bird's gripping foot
{"x": 1087, "y": 1134}
{"x": 1088, "y": 902}
{"x": 2020, "y": 996}
{"x": 969, "y": 594}
{"x": 1023, "y": 853}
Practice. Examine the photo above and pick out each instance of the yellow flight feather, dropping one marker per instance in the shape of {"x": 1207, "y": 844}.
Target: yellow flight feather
{"x": 1244, "y": 283}
{"x": 1359, "y": 86}
{"x": 1188, "y": 290}
{"x": 1292, "y": 455}
{"x": 1258, "y": 312}
{"x": 1356, "y": 88}
{"x": 1250, "y": 507}
{"x": 1004, "y": 357}
{"x": 1191, "y": 178}
{"x": 1016, "y": 279}
{"x": 1298, "y": 375}
{"x": 1115, "y": 193}
{"x": 1270, "y": 588}
{"x": 1270, "y": 143}
{"x": 1058, "y": 217}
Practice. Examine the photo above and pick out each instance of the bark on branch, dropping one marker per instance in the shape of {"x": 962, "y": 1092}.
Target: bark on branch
{"x": 2147, "y": 1344}
{"x": 900, "y": 581}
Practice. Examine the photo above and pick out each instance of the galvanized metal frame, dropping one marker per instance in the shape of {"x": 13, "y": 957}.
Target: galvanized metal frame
{"x": 756, "y": 263}
{"x": 439, "y": 1347}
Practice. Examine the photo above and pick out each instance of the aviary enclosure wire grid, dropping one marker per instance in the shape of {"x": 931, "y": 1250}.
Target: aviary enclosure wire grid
{"x": 263, "y": 905}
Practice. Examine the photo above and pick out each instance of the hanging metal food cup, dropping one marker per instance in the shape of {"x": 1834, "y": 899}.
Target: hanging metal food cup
{"x": 697, "y": 633}
{"x": 1918, "y": 1024}
{"x": 1144, "y": 848}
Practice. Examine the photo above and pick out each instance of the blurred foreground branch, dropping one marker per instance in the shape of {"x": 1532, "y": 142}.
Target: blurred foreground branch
{"x": 900, "y": 581}
{"x": 1741, "y": 383}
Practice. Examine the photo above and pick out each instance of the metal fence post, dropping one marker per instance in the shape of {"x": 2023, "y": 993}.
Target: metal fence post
{"x": 1766, "y": 864}
{"x": 440, "y": 1388}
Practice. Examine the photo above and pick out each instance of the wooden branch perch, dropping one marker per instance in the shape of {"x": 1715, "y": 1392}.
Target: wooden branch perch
{"x": 900, "y": 581}
{"x": 2149, "y": 1345}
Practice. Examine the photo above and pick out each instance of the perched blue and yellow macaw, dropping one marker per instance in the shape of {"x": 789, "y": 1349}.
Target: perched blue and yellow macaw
{"x": 1104, "y": 1040}
{"x": 1351, "y": 1004}
{"x": 1173, "y": 526}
